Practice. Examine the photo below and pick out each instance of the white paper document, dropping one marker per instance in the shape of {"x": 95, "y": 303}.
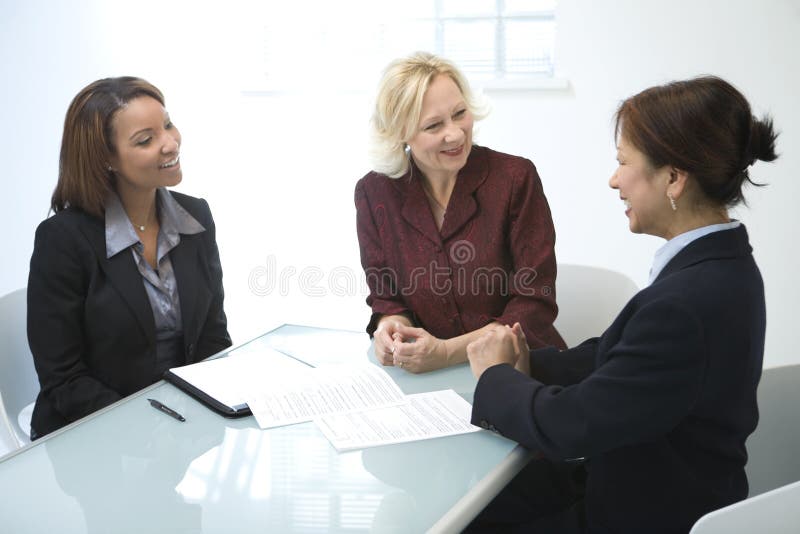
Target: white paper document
{"x": 324, "y": 390}
{"x": 322, "y": 347}
{"x": 229, "y": 380}
{"x": 423, "y": 416}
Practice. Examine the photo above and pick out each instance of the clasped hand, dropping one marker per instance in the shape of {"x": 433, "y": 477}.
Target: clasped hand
{"x": 503, "y": 344}
{"x": 412, "y": 349}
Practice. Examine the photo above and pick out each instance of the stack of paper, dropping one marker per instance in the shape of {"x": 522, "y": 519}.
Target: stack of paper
{"x": 423, "y": 416}
{"x": 321, "y": 391}
{"x": 354, "y": 405}
{"x": 358, "y": 406}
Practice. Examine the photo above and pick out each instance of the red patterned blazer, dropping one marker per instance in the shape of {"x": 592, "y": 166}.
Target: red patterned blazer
{"x": 492, "y": 260}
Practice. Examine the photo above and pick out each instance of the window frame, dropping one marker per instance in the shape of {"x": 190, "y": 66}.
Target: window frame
{"x": 503, "y": 79}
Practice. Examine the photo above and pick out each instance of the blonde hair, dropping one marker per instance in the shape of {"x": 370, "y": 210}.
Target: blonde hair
{"x": 398, "y": 106}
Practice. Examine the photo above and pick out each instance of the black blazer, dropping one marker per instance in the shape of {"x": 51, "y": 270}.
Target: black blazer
{"x": 90, "y": 325}
{"x": 661, "y": 404}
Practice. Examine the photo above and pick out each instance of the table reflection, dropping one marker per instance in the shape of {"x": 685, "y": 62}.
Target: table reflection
{"x": 134, "y": 465}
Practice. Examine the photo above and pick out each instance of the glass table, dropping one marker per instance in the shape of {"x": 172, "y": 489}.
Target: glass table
{"x": 130, "y": 468}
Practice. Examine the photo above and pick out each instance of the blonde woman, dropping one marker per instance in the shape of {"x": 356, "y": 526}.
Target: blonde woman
{"x": 455, "y": 238}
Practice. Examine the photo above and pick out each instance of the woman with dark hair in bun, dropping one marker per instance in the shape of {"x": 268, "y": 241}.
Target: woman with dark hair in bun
{"x": 657, "y": 409}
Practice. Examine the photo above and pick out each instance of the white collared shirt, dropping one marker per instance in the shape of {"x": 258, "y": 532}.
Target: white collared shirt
{"x": 671, "y": 248}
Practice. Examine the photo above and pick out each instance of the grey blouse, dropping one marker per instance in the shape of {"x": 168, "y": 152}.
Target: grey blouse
{"x": 159, "y": 283}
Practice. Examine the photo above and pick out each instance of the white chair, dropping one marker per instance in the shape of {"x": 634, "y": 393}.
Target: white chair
{"x": 774, "y": 447}
{"x": 19, "y": 384}
{"x": 589, "y": 299}
{"x": 775, "y": 512}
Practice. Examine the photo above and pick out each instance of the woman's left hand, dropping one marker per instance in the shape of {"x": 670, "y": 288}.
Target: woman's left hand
{"x": 417, "y": 351}
{"x": 523, "y": 364}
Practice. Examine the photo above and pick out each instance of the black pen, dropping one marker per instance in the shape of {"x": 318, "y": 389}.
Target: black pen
{"x": 169, "y": 411}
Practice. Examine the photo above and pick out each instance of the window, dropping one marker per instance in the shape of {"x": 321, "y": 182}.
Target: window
{"x": 500, "y": 39}
{"x": 345, "y": 45}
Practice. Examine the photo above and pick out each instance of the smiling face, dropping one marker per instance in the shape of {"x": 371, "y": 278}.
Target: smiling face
{"x": 644, "y": 191}
{"x": 444, "y": 137}
{"x": 147, "y": 146}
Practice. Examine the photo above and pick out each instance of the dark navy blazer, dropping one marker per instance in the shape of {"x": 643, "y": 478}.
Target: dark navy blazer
{"x": 661, "y": 404}
{"x": 90, "y": 325}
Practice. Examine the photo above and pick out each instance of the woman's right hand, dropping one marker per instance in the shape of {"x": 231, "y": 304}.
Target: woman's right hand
{"x": 383, "y": 337}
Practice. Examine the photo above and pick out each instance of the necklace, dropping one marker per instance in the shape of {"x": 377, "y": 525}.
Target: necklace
{"x": 141, "y": 227}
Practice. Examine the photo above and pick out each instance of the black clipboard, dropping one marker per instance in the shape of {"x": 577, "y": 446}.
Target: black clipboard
{"x": 241, "y": 410}
{"x": 232, "y": 412}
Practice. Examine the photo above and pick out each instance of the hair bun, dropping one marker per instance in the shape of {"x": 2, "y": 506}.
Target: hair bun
{"x": 761, "y": 145}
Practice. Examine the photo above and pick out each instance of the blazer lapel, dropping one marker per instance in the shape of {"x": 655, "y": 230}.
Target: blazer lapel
{"x": 121, "y": 270}
{"x": 125, "y": 277}
{"x": 462, "y": 206}
{"x": 186, "y": 265}
{"x": 416, "y": 210}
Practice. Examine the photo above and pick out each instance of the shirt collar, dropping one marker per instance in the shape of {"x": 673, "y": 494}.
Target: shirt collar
{"x": 119, "y": 230}
{"x": 671, "y": 248}
{"x": 173, "y": 219}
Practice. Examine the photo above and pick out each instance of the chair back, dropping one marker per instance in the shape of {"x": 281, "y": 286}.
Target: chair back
{"x": 773, "y": 448}
{"x": 776, "y": 512}
{"x": 19, "y": 383}
{"x": 589, "y": 299}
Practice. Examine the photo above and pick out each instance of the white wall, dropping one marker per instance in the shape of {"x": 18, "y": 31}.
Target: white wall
{"x": 279, "y": 170}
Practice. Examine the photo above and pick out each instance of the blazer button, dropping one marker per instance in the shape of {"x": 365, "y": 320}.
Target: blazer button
{"x": 190, "y": 349}
{"x": 484, "y": 424}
